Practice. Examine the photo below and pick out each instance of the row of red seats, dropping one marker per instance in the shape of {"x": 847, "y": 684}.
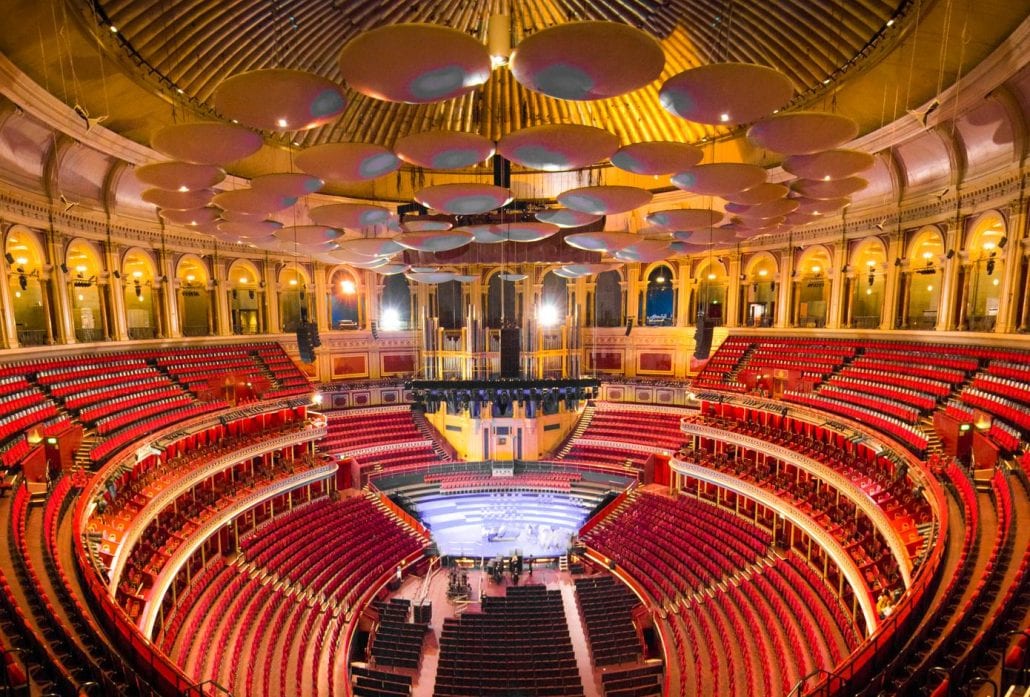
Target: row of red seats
{"x": 879, "y": 404}
{"x": 1006, "y": 387}
{"x": 133, "y": 433}
{"x": 117, "y": 416}
{"x": 937, "y": 375}
{"x": 871, "y": 383}
{"x": 1001, "y": 407}
{"x": 907, "y": 434}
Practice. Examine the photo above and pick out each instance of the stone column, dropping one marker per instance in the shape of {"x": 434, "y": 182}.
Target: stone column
{"x": 44, "y": 294}
{"x": 963, "y": 292}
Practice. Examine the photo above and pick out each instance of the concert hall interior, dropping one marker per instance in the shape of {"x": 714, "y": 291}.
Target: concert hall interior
{"x": 515, "y": 348}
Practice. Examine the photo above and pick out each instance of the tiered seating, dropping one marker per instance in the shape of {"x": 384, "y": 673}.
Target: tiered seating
{"x": 195, "y": 367}
{"x": 518, "y": 644}
{"x": 607, "y": 607}
{"x": 839, "y": 516}
{"x": 610, "y": 455}
{"x": 369, "y": 682}
{"x": 700, "y": 546}
{"x": 158, "y": 417}
{"x": 290, "y": 378}
{"x": 860, "y": 381}
{"x": 415, "y": 455}
{"x": 362, "y": 428}
{"x": 175, "y": 524}
{"x": 911, "y": 436}
{"x": 274, "y": 609}
{"x": 645, "y": 681}
{"x": 397, "y": 642}
{"x": 659, "y": 429}
{"x": 817, "y": 358}
{"x": 961, "y": 637}
{"x": 726, "y": 359}
{"x": 1014, "y": 412}
{"x": 305, "y": 548}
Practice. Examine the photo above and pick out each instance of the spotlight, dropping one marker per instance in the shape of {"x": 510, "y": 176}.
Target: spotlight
{"x": 1002, "y": 242}
{"x": 950, "y": 254}
{"x": 9, "y": 257}
{"x": 390, "y": 319}
{"x": 23, "y": 281}
{"x": 990, "y": 268}
{"x": 547, "y": 316}
{"x": 117, "y": 273}
{"x": 64, "y": 267}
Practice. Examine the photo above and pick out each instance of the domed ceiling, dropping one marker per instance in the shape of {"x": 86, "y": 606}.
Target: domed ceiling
{"x": 187, "y": 48}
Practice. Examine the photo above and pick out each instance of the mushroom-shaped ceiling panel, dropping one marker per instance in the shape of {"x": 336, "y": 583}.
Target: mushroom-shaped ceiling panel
{"x": 414, "y": 63}
{"x": 587, "y": 60}
{"x": 279, "y": 99}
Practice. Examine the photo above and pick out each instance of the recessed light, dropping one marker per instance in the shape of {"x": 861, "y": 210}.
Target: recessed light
{"x": 724, "y": 117}
{"x": 114, "y": 29}
{"x": 890, "y": 22}
{"x": 282, "y": 123}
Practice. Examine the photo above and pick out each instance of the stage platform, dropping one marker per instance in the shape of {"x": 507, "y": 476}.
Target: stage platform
{"x": 503, "y": 523}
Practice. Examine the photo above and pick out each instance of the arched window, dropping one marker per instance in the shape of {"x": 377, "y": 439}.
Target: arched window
{"x": 24, "y": 268}
{"x": 343, "y": 300}
{"x": 141, "y": 310}
{"x": 450, "y": 305}
{"x": 812, "y": 288}
{"x": 395, "y": 307}
{"x": 759, "y": 292}
{"x": 869, "y": 267}
{"x": 660, "y": 298}
{"x": 986, "y": 269}
{"x": 554, "y": 301}
{"x": 711, "y": 292}
{"x": 294, "y": 297}
{"x": 500, "y": 301}
{"x": 84, "y": 267}
{"x": 608, "y": 300}
{"x": 925, "y": 257}
{"x": 194, "y": 299}
{"x": 246, "y": 298}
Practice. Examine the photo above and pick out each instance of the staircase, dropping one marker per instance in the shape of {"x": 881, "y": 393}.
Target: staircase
{"x": 745, "y": 357}
{"x": 444, "y": 454}
{"x": 266, "y": 372}
{"x": 584, "y": 423}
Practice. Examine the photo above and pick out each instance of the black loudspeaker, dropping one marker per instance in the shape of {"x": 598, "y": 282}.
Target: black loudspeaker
{"x": 702, "y": 337}
{"x": 307, "y": 351}
{"x": 510, "y": 349}
{"x": 375, "y": 329}
{"x": 629, "y": 325}
{"x": 502, "y": 172}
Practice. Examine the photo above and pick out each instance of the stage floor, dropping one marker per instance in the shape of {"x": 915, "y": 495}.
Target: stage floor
{"x": 491, "y": 524}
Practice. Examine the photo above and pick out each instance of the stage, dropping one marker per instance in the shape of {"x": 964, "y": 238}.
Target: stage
{"x": 505, "y": 523}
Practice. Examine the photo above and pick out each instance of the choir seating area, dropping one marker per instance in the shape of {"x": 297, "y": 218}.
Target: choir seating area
{"x": 623, "y": 435}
